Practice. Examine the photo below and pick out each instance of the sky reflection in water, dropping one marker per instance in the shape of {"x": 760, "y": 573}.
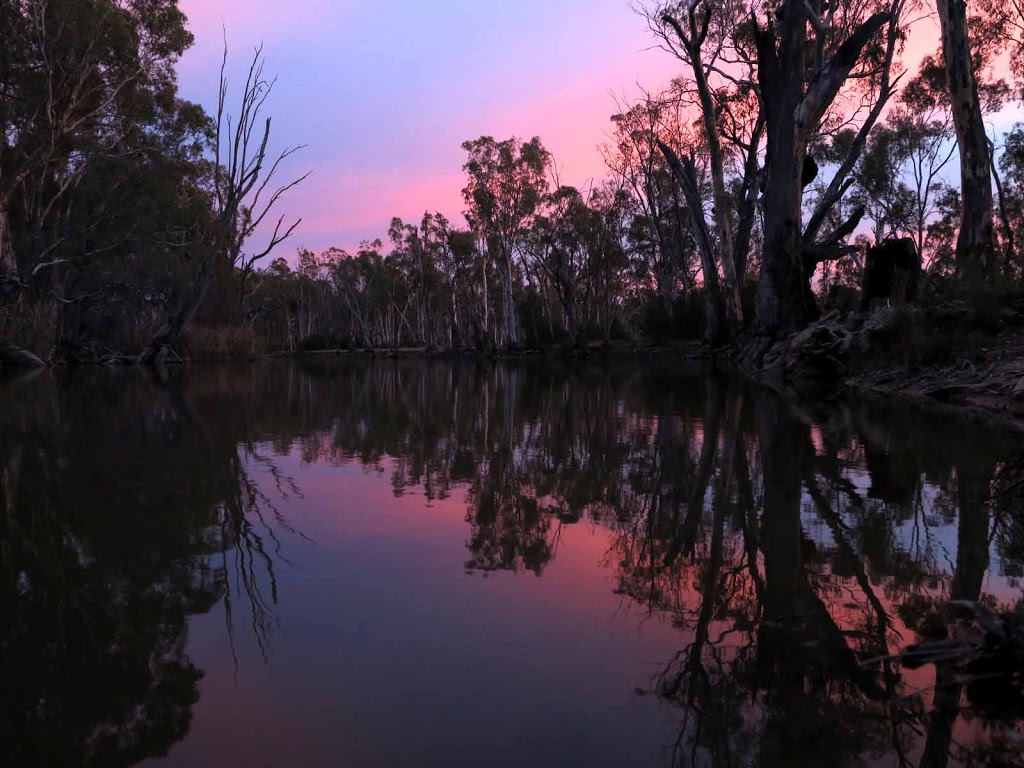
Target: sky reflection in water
{"x": 395, "y": 563}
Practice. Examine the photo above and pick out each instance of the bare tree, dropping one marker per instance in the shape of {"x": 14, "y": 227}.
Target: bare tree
{"x": 244, "y": 195}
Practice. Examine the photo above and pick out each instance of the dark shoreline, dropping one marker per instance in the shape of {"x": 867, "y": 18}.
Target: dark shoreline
{"x": 988, "y": 394}
{"x": 993, "y": 393}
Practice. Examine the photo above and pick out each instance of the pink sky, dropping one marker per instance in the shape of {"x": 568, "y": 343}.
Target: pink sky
{"x": 384, "y": 93}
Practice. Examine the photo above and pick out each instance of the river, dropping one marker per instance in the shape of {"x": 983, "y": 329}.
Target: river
{"x": 390, "y": 563}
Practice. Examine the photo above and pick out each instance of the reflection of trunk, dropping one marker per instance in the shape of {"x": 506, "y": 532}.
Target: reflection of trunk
{"x": 940, "y": 723}
{"x": 849, "y": 553}
{"x": 9, "y": 483}
{"x": 972, "y": 549}
{"x": 686, "y": 534}
{"x": 692, "y": 673}
{"x": 783, "y": 450}
{"x": 971, "y": 563}
{"x": 798, "y": 634}
{"x": 748, "y": 517}
{"x": 709, "y": 593}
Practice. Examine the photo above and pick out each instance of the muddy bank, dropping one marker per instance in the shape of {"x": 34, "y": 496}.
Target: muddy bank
{"x": 994, "y": 386}
{"x": 958, "y": 355}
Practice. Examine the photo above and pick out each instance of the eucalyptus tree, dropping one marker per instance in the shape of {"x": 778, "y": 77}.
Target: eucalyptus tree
{"x": 775, "y": 75}
{"x": 923, "y": 124}
{"x": 700, "y": 34}
{"x": 609, "y": 260}
{"x": 1011, "y": 163}
{"x": 661, "y": 229}
{"x": 458, "y": 266}
{"x": 357, "y": 279}
{"x": 975, "y": 245}
{"x": 879, "y": 188}
{"x": 506, "y": 183}
{"x": 805, "y": 53}
{"x": 561, "y": 246}
{"x": 1003, "y": 20}
{"x": 421, "y": 246}
{"x": 87, "y": 91}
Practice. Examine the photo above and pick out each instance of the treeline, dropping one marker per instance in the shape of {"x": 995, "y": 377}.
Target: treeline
{"x": 121, "y": 204}
{"x": 740, "y": 198}
{"x": 692, "y": 234}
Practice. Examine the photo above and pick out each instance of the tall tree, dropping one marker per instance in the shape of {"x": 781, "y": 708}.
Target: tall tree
{"x": 799, "y": 75}
{"x": 507, "y": 181}
{"x": 660, "y": 227}
{"x": 702, "y": 35}
{"x": 975, "y": 245}
{"x": 84, "y": 86}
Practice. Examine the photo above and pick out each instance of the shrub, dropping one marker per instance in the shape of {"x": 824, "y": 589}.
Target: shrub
{"x": 324, "y": 341}
{"x": 222, "y": 342}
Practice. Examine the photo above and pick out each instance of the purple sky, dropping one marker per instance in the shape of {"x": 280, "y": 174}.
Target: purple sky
{"x": 385, "y": 92}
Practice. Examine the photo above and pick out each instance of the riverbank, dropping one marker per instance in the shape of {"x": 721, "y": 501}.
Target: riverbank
{"x": 966, "y": 356}
{"x": 962, "y": 354}
{"x": 688, "y": 350}
{"x": 990, "y": 383}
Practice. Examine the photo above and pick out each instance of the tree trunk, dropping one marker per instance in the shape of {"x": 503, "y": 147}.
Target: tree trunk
{"x": 722, "y": 323}
{"x": 171, "y": 331}
{"x": 782, "y": 293}
{"x": 722, "y": 200}
{"x": 487, "y": 299}
{"x": 8, "y": 266}
{"x": 975, "y": 243}
{"x": 511, "y": 330}
{"x": 972, "y": 560}
{"x": 794, "y": 108}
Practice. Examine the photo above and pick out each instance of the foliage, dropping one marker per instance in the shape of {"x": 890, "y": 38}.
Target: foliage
{"x": 125, "y": 212}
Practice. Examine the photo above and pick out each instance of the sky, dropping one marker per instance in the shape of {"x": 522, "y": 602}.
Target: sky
{"x": 384, "y": 92}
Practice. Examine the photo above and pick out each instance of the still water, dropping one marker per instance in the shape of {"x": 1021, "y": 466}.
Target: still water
{"x": 405, "y": 563}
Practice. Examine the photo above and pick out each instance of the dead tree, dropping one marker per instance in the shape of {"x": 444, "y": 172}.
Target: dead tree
{"x": 243, "y": 198}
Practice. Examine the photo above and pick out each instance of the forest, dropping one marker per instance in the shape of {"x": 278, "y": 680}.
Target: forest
{"x": 739, "y": 203}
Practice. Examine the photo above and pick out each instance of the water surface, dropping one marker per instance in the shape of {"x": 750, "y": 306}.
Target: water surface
{"x": 408, "y": 563}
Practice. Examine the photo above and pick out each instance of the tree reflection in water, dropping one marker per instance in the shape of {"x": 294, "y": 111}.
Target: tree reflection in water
{"x": 795, "y": 547}
{"x": 128, "y": 506}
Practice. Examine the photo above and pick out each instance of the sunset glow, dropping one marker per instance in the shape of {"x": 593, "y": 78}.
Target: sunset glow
{"x": 384, "y": 93}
